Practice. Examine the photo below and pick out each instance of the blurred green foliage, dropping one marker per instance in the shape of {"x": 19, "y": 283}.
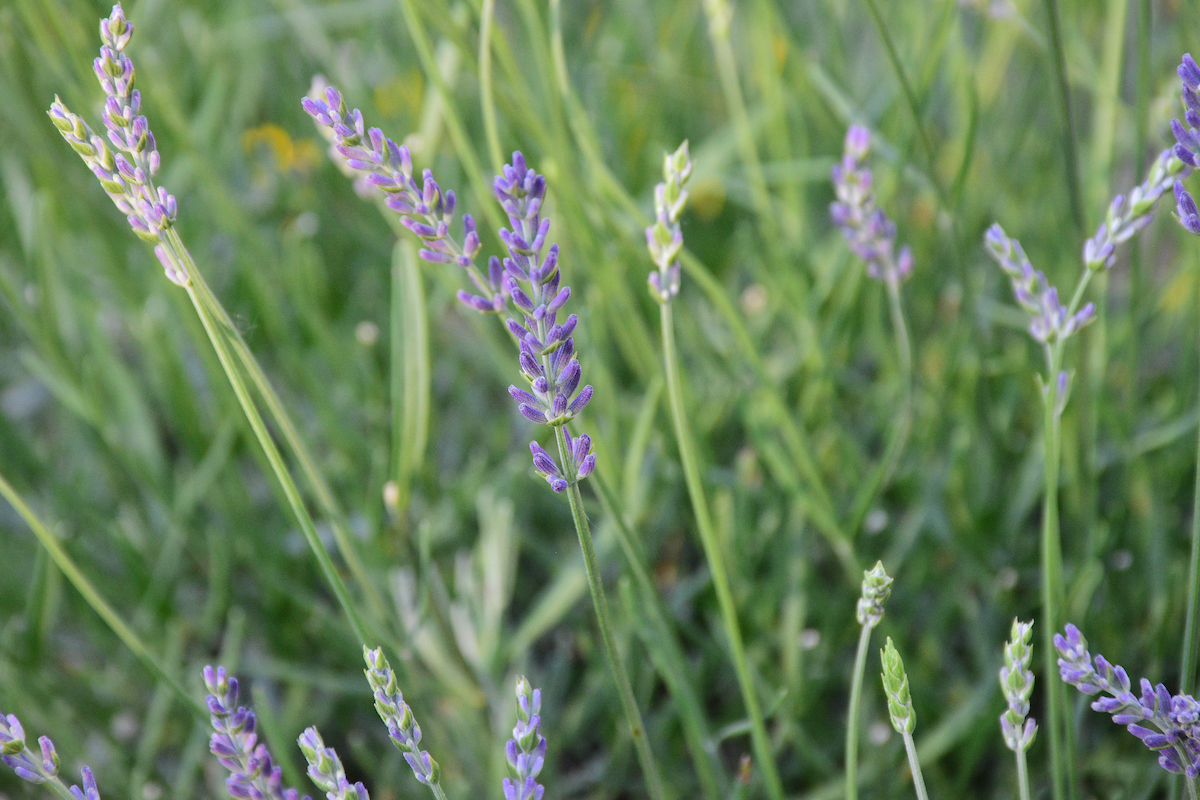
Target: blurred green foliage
{"x": 118, "y": 427}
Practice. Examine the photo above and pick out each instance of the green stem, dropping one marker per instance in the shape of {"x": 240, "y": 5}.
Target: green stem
{"x": 633, "y": 716}
{"x": 898, "y": 435}
{"x": 93, "y": 598}
{"x": 914, "y": 765}
{"x": 203, "y": 296}
{"x": 1187, "y": 670}
{"x": 1022, "y": 774}
{"x": 715, "y": 559}
{"x": 666, "y": 644}
{"x": 1064, "y": 99}
{"x": 222, "y": 333}
{"x": 860, "y": 666}
{"x": 486, "y": 100}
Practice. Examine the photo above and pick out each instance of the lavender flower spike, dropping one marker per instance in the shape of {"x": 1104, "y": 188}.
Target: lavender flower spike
{"x": 1016, "y": 681}
{"x": 1128, "y": 215}
{"x": 895, "y": 686}
{"x": 128, "y": 175}
{"x": 403, "y": 729}
{"x": 872, "y": 236}
{"x": 235, "y": 744}
{"x": 325, "y": 768}
{"x": 1048, "y": 321}
{"x": 38, "y": 767}
{"x": 386, "y": 169}
{"x": 1187, "y": 148}
{"x": 526, "y": 751}
{"x": 547, "y": 349}
{"x": 1185, "y": 207}
{"x": 664, "y": 238}
{"x": 1177, "y": 717}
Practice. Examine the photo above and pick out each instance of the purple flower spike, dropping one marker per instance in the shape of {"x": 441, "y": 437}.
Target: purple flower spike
{"x": 526, "y": 751}
{"x": 128, "y": 174}
{"x": 1185, "y": 207}
{"x": 870, "y": 234}
{"x": 403, "y": 729}
{"x": 664, "y": 239}
{"x": 1176, "y": 717}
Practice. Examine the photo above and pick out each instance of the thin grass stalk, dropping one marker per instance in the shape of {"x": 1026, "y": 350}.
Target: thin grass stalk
{"x": 487, "y": 101}
{"x": 1187, "y": 669}
{"x": 411, "y": 382}
{"x": 1061, "y": 85}
{"x": 222, "y": 334}
{"x": 67, "y": 566}
{"x": 715, "y": 558}
{"x": 914, "y": 765}
{"x": 673, "y": 666}
{"x": 1022, "y": 774}
{"x": 898, "y": 435}
{"x": 637, "y": 729}
{"x": 202, "y": 296}
{"x": 856, "y": 679}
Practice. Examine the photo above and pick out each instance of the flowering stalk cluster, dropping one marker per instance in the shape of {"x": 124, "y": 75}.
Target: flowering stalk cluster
{"x": 872, "y": 236}
{"x": 1016, "y": 681}
{"x": 128, "y": 175}
{"x": 547, "y": 349}
{"x": 325, "y": 769}
{"x": 398, "y": 717}
{"x": 235, "y": 744}
{"x": 424, "y": 208}
{"x": 876, "y": 587}
{"x": 1049, "y": 322}
{"x": 1176, "y": 717}
{"x": 1187, "y": 147}
{"x": 1128, "y": 215}
{"x": 665, "y": 238}
{"x": 526, "y": 751}
{"x": 39, "y": 767}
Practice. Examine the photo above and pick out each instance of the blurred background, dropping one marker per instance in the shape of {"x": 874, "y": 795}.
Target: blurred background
{"x": 119, "y": 428}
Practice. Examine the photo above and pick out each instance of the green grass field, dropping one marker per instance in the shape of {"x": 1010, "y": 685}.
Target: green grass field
{"x": 120, "y": 430}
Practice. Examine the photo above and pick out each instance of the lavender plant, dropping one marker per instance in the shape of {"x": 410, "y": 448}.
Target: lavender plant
{"x": 1016, "y": 681}
{"x": 872, "y": 237}
{"x": 128, "y": 178}
{"x": 530, "y": 278}
{"x": 900, "y": 710}
{"x": 1052, "y": 324}
{"x": 402, "y": 727}
{"x": 876, "y": 588}
{"x": 1187, "y": 149}
{"x": 253, "y": 775}
{"x": 40, "y": 767}
{"x": 325, "y": 768}
{"x": 1176, "y": 717}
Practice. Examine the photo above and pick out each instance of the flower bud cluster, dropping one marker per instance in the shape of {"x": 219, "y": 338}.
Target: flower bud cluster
{"x": 872, "y": 236}
{"x": 665, "y": 238}
{"x": 547, "y": 348}
{"x": 1048, "y": 320}
{"x": 39, "y": 767}
{"x": 1016, "y": 681}
{"x": 526, "y": 751}
{"x": 1176, "y": 717}
{"x": 895, "y": 686}
{"x": 1128, "y": 215}
{"x": 325, "y": 769}
{"x": 128, "y": 174}
{"x": 235, "y": 744}
{"x": 423, "y": 207}
{"x": 876, "y": 588}
{"x": 403, "y": 729}
{"x": 1187, "y": 138}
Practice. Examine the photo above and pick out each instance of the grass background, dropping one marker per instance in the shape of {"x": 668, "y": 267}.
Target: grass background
{"x": 119, "y": 428}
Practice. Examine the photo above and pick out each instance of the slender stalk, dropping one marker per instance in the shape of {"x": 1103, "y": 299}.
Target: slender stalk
{"x": 914, "y": 765}
{"x": 411, "y": 378}
{"x": 486, "y": 100}
{"x": 633, "y": 716}
{"x": 860, "y": 666}
{"x": 94, "y": 599}
{"x": 898, "y": 435}
{"x": 715, "y": 559}
{"x": 203, "y": 296}
{"x": 1022, "y": 775}
{"x": 1064, "y": 98}
{"x": 222, "y": 333}
{"x": 673, "y": 666}
{"x": 1187, "y": 670}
